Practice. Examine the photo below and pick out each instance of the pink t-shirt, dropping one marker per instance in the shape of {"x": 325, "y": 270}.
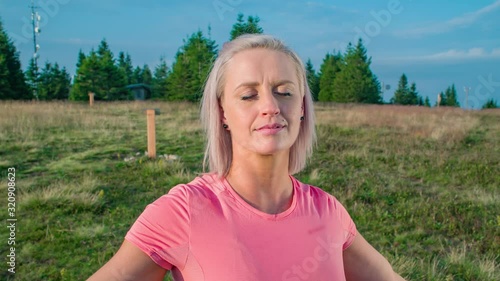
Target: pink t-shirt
{"x": 203, "y": 231}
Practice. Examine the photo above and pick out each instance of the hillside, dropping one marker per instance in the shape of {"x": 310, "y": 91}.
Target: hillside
{"x": 422, "y": 184}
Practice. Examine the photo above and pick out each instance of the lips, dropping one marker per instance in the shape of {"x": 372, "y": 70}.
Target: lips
{"x": 271, "y": 126}
{"x": 271, "y": 129}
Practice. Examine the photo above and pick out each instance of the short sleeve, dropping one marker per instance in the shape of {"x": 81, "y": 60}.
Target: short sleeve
{"x": 347, "y": 223}
{"x": 162, "y": 230}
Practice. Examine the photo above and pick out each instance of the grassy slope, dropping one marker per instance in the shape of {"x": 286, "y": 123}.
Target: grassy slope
{"x": 421, "y": 184}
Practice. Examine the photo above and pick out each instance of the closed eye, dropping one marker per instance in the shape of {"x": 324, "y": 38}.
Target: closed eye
{"x": 286, "y": 94}
{"x": 248, "y": 97}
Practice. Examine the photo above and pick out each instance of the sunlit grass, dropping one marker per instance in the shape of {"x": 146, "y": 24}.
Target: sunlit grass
{"x": 80, "y": 194}
{"x": 442, "y": 124}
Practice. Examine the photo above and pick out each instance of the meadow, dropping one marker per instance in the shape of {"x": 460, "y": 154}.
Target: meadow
{"x": 422, "y": 184}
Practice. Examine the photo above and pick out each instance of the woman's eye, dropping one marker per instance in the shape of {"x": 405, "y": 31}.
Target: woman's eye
{"x": 286, "y": 94}
{"x": 249, "y": 97}
{"x": 255, "y": 96}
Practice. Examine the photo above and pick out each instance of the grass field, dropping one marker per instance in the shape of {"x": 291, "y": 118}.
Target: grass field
{"x": 422, "y": 185}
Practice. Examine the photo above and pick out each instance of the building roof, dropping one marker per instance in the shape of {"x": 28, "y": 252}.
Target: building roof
{"x": 137, "y": 86}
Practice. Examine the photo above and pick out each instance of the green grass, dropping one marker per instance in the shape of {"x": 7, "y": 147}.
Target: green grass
{"x": 422, "y": 185}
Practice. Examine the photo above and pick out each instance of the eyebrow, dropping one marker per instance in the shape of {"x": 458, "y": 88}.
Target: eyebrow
{"x": 253, "y": 84}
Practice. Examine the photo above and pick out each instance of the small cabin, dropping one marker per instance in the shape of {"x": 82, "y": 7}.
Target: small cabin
{"x": 140, "y": 91}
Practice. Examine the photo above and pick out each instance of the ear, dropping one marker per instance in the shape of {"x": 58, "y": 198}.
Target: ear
{"x": 221, "y": 113}
{"x": 302, "y": 107}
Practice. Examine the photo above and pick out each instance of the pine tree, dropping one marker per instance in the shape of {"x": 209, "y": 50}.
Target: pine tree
{"x": 405, "y": 95}
{"x": 413, "y": 97}
{"x": 427, "y": 102}
{"x": 12, "y": 80}
{"x": 443, "y": 100}
{"x": 249, "y": 27}
{"x": 491, "y": 103}
{"x": 160, "y": 80}
{"x": 113, "y": 81}
{"x": 5, "y": 92}
{"x": 190, "y": 69}
{"x": 99, "y": 73}
{"x": 401, "y": 93}
{"x": 125, "y": 66}
{"x": 451, "y": 96}
{"x": 81, "y": 59}
{"x": 355, "y": 82}
{"x": 420, "y": 101}
{"x": 146, "y": 75}
{"x": 312, "y": 80}
{"x": 328, "y": 71}
{"x": 87, "y": 77}
{"x": 44, "y": 81}
{"x": 137, "y": 75}
{"x": 32, "y": 75}
{"x": 54, "y": 83}
{"x": 142, "y": 75}
{"x": 62, "y": 82}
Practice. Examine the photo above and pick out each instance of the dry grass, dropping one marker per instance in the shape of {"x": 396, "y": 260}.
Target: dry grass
{"x": 33, "y": 118}
{"x": 81, "y": 193}
{"x": 442, "y": 124}
{"x": 91, "y": 231}
{"x": 445, "y": 124}
{"x": 489, "y": 266}
{"x": 483, "y": 197}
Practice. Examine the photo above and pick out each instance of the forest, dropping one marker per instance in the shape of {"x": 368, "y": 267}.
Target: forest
{"x": 342, "y": 77}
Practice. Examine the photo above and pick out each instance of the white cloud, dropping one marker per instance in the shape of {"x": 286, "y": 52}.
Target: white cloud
{"x": 452, "y": 55}
{"x": 457, "y": 54}
{"x": 442, "y": 27}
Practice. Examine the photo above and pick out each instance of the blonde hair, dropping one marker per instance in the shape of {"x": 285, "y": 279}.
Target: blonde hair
{"x": 218, "y": 151}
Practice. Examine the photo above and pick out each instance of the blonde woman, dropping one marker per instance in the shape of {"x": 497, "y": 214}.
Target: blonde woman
{"x": 249, "y": 218}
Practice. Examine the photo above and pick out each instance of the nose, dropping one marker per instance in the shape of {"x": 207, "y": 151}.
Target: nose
{"x": 269, "y": 104}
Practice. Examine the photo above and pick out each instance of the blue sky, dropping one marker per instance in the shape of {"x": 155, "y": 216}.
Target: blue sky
{"x": 435, "y": 43}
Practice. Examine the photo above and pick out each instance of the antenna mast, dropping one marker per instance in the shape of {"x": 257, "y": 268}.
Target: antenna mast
{"x": 35, "y": 22}
{"x": 466, "y": 89}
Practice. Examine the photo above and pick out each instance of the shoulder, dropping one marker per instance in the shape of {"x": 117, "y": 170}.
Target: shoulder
{"x": 174, "y": 210}
{"x": 163, "y": 230}
{"x": 203, "y": 188}
{"x": 323, "y": 203}
{"x": 327, "y": 206}
{"x": 315, "y": 194}
{"x": 205, "y": 185}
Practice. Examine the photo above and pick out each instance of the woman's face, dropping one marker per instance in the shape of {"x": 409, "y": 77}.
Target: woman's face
{"x": 261, "y": 103}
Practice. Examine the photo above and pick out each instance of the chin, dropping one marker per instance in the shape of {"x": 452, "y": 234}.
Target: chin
{"x": 272, "y": 150}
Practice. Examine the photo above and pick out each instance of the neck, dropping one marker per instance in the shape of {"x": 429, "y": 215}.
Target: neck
{"x": 262, "y": 181}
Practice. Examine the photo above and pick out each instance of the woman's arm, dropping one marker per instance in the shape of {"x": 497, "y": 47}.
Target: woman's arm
{"x": 129, "y": 264}
{"x": 363, "y": 262}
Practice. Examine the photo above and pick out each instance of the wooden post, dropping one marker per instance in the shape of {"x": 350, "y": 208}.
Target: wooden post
{"x": 439, "y": 100}
{"x": 151, "y": 133}
{"x": 91, "y": 98}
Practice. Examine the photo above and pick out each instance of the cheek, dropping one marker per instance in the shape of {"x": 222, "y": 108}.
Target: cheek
{"x": 239, "y": 118}
{"x": 294, "y": 112}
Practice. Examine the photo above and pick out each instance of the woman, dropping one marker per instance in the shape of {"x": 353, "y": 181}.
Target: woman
{"x": 249, "y": 219}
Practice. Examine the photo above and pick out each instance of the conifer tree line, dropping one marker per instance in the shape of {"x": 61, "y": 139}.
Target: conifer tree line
{"x": 346, "y": 77}
{"x": 405, "y": 95}
{"x": 12, "y": 80}
{"x": 449, "y": 97}
{"x": 342, "y": 77}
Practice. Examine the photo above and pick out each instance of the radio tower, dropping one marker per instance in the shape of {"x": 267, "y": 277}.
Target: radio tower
{"x": 35, "y": 21}
{"x": 467, "y": 89}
